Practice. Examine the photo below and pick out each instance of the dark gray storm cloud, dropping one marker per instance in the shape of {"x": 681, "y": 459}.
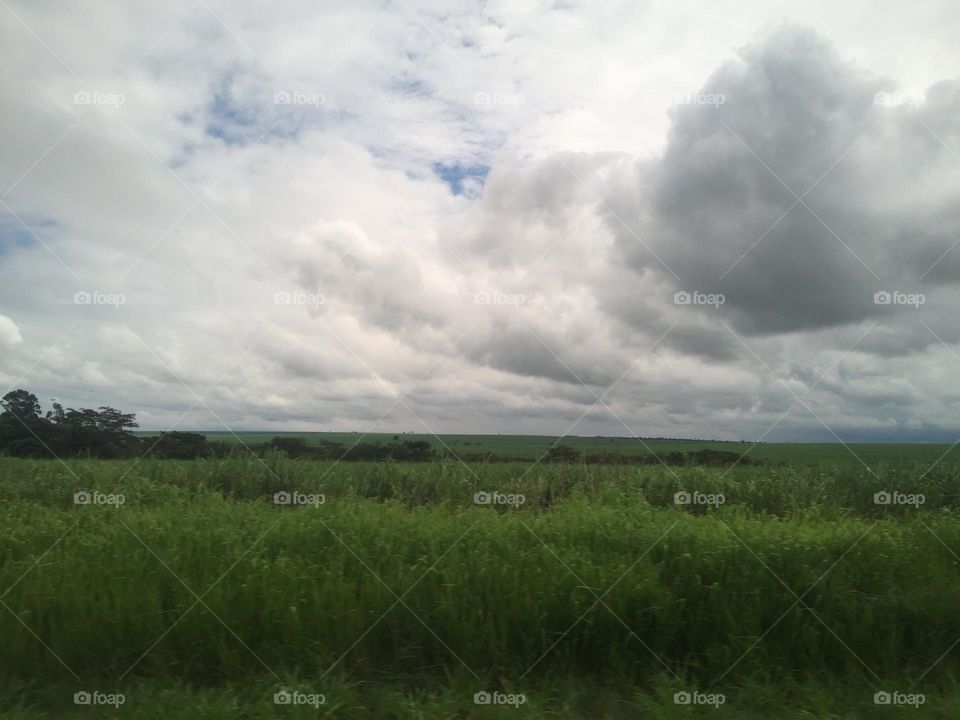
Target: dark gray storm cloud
{"x": 797, "y": 184}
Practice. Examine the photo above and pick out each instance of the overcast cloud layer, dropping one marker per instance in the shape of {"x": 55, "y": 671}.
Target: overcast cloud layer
{"x": 737, "y": 221}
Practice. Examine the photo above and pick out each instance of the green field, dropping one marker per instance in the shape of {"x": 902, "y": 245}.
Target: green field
{"x": 398, "y": 596}
{"x": 529, "y": 448}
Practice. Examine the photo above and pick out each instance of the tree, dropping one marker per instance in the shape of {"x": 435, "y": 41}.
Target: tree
{"x": 21, "y": 427}
{"x": 292, "y": 446}
{"x": 180, "y": 445}
{"x": 413, "y": 450}
{"x": 56, "y": 415}
{"x": 23, "y": 405}
{"x": 101, "y": 433}
{"x": 563, "y": 453}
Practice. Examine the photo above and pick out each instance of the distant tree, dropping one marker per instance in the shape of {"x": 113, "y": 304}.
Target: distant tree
{"x": 21, "y": 404}
{"x": 180, "y": 445}
{"x": 100, "y": 433}
{"x": 292, "y": 446}
{"x": 22, "y": 428}
{"x": 563, "y": 453}
{"x": 417, "y": 450}
{"x": 56, "y": 415}
{"x": 114, "y": 422}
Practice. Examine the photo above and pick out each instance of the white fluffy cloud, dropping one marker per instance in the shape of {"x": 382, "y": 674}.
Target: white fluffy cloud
{"x": 9, "y": 332}
{"x": 300, "y": 215}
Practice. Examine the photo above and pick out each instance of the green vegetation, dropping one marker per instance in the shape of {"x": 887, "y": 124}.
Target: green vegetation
{"x": 25, "y": 431}
{"x": 528, "y": 448}
{"x": 387, "y": 588}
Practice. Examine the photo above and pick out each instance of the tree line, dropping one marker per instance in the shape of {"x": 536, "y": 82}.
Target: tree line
{"x": 25, "y": 431}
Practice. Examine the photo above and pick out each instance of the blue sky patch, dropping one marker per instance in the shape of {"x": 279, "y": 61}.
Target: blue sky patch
{"x": 454, "y": 175}
{"x": 14, "y": 236}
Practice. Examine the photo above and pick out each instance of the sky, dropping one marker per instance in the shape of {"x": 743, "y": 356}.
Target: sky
{"x": 731, "y": 220}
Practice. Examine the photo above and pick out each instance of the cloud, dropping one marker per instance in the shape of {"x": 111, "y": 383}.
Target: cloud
{"x": 485, "y": 210}
{"x": 801, "y": 193}
{"x": 9, "y": 332}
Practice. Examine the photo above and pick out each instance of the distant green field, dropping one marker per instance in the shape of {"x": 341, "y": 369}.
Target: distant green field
{"x": 531, "y": 447}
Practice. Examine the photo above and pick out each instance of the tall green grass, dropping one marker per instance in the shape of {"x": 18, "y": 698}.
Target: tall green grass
{"x": 783, "y": 491}
{"x": 400, "y": 578}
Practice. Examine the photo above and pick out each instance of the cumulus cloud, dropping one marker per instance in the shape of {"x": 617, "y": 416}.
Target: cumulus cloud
{"x": 809, "y": 186}
{"x": 311, "y": 212}
{"x": 9, "y": 332}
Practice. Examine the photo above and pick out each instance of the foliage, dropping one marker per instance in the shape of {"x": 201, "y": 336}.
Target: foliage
{"x": 502, "y": 589}
{"x": 104, "y": 432}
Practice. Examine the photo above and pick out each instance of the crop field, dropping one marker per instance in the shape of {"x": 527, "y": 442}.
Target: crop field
{"x": 529, "y": 448}
{"x": 210, "y": 588}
